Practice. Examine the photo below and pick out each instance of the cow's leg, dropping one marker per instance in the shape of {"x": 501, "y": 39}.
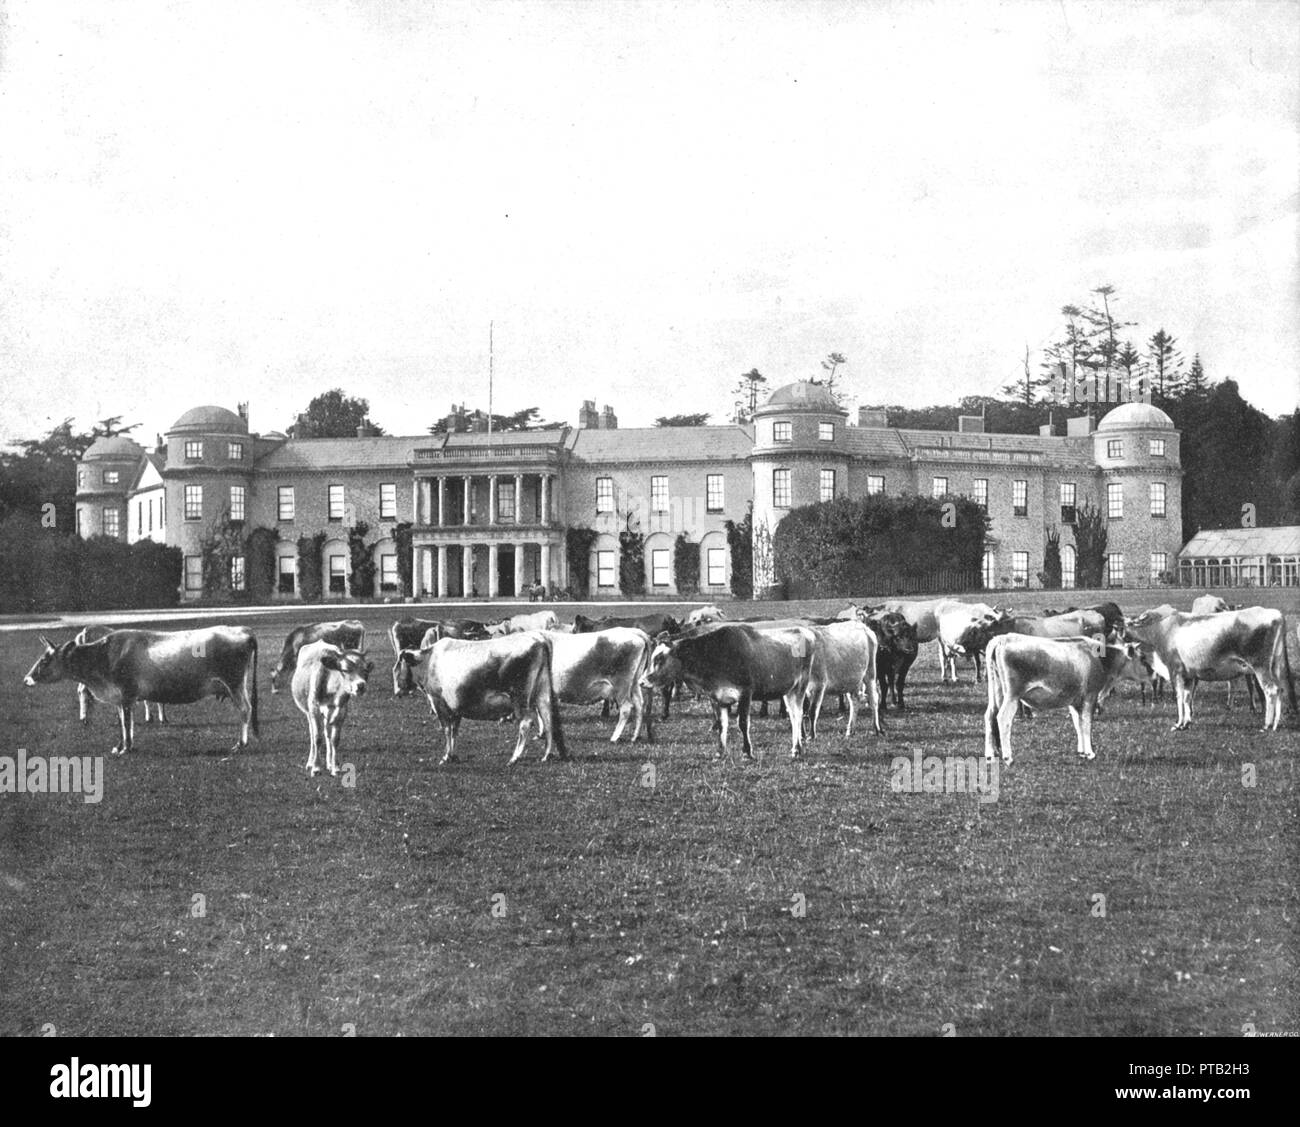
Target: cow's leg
{"x": 525, "y": 723}
{"x": 1006, "y": 715}
{"x": 853, "y": 712}
{"x": 1088, "y": 711}
{"x": 624, "y": 711}
{"x": 991, "y": 740}
{"x": 84, "y": 704}
{"x": 1183, "y": 694}
{"x": 604, "y": 709}
{"x": 877, "y": 704}
{"x": 1272, "y": 697}
{"x": 645, "y": 714}
{"x": 762, "y": 710}
{"x": 126, "y": 718}
{"x": 721, "y": 718}
{"x": 333, "y": 732}
{"x": 668, "y": 696}
{"x": 794, "y": 706}
{"x": 742, "y": 722}
{"x": 811, "y": 702}
{"x": 314, "y": 731}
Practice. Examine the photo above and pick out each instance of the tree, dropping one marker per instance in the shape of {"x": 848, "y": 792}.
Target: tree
{"x": 682, "y": 420}
{"x": 740, "y": 543}
{"x": 832, "y": 361}
{"x": 361, "y": 559}
{"x": 1106, "y": 347}
{"x": 1025, "y": 388}
{"x": 1050, "y": 576}
{"x": 1196, "y": 386}
{"x": 530, "y": 418}
{"x": 686, "y": 565}
{"x": 748, "y": 389}
{"x": 1090, "y": 538}
{"x": 1165, "y": 363}
{"x": 334, "y": 414}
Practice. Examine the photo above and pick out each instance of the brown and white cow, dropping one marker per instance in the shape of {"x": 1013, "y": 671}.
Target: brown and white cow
{"x": 325, "y": 681}
{"x": 408, "y": 633}
{"x": 519, "y": 623}
{"x": 845, "y": 663}
{"x": 944, "y": 621}
{"x": 86, "y": 702}
{"x": 1219, "y": 647}
{"x": 606, "y": 666}
{"x": 349, "y": 634}
{"x": 1050, "y": 673}
{"x": 509, "y": 676}
{"x": 167, "y": 667}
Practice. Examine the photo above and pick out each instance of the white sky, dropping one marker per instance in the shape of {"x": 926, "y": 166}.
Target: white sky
{"x": 208, "y": 202}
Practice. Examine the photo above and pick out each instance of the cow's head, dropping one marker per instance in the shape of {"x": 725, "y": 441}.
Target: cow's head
{"x": 1133, "y": 661}
{"x": 582, "y": 624}
{"x": 352, "y": 668}
{"x": 984, "y": 629}
{"x": 471, "y": 632}
{"x": 404, "y": 671}
{"x": 664, "y": 667}
{"x": 899, "y": 634}
{"x": 51, "y": 665}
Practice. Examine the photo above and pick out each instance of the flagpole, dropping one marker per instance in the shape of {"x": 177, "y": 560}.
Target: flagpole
{"x": 490, "y": 381}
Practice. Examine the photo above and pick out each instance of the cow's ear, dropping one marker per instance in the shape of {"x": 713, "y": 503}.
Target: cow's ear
{"x": 330, "y": 661}
{"x": 46, "y": 642}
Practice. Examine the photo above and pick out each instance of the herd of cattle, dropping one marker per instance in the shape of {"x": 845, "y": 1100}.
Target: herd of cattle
{"x": 523, "y": 668}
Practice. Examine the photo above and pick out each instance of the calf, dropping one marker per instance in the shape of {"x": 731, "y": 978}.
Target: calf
{"x": 348, "y": 634}
{"x": 1219, "y": 647}
{"x": 325, "y": 680}
{"x": 733, "y": 664}
{"x": 167, "y": 667}
{"x": 1049, "y": 673}
{"x": 508, "y": 676}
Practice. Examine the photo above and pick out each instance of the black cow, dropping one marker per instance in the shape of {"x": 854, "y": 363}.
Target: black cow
{"x": 898, "y": 649}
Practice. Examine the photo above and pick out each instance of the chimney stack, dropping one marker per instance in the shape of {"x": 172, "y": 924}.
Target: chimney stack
{"x": 587, "y": 417}
{"x": 365, "y": 430}
{"x": 608, "y": 420}
{"x": 242, "y": 408}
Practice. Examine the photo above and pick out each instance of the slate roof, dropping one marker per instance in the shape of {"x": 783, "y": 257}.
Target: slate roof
{"x": 893, "y": 442}
{"x": 380, "y": 452}
{"x": 1281, "y": 541}
{"x": 663, "y": 444}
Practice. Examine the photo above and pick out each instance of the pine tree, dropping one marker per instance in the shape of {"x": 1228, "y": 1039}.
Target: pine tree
{"x": 1166, "y": 364}
{"x": 1197, "y": 385}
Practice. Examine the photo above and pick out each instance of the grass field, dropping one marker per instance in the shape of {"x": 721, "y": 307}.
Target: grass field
{"x": 217, "y": 894}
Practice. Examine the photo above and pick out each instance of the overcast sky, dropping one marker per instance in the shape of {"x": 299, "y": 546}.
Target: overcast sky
{"x": 205, "y": 203}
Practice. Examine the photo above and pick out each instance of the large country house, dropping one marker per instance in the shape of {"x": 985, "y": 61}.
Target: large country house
{"x": 490, "y": 511}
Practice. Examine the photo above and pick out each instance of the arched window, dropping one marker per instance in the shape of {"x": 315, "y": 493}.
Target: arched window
{"x": 1068, "y": 559}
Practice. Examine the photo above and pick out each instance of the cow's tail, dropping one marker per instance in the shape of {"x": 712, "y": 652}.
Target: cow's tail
{"x": 250, "y": 687}
{"x": 1285, "y": 665}
{"x": 544, "y": 683}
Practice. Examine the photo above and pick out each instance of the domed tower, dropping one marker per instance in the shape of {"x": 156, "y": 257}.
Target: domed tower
{"x": 209, "y": 473}
{"x": 104, "y": 477}
{"x": 1137, "y": 450}
{"x": 800, "y": 457}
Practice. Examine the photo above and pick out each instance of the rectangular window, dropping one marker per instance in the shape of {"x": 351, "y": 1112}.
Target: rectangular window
{"x": 826, "y": 432}
{"x": 81, "y": 479}
{"x": 1067, "y": 502}
{"x": 139, "y": 516}
{"x": 660, "y": 567}
{"x": 717, "y": 567}
{"x": 388, "y": 578}
{"x": 604, "y": 494}
{"x": 110, "y": 522}
{"x": 505, "y": 500}
{"x": 988, "y": 572}
{"x": 338, "y": 575}
{"x": 781, "y": 489}
{"x": 875, "y": 484}
{"x": 336, "y": 502}
{"x": 828, "y": 485}
{"x": 288, "y": 573}
{"x": 194, "y": 502}
{"x": 1020, "y": 498}
{"x": 605, "y": 569}
{"x": 1115, "y": 499}
{"x": 938, "y": 486}
{"x": 284, "y": 503}
{"x": 150, "y": 514}
{"x": 1157, "y": 498}
{"x": 1159, "y": 565}
{"x": 194, "y": 451}
{"x": 194, "y": 573}
{"x": 981, "y": 493}
{"x": 781, "y": 432}
{"x": 1067, "y": 565}
{"x": 236, "y": 573}
{"x": 659, "y": 493}
{"x": 112, "y": 477}
{"x": 1115, "y": 448}
{"x": 1156, "y": 447}
{"x": 79, "y": 532}
{"x": 1020, "y": 569}
{"x": 713, "y": 493}
{"x": 1115, "y": 569}
{"x": 388, "y": 501}
{"x": 236, "y": 502}
{"x": 235, "y": 451}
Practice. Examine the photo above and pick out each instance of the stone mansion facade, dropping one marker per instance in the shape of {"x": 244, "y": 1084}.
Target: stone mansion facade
{"x": 489, "y": 513}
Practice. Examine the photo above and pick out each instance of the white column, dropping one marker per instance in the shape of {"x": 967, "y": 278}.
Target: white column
{"x": 519, "y": 498}
{"x": 519, "y": 569}
{"x": 442, "y": 571}
{"x": 468, "y": 488}
{"x": 467, "y": 570}
{"x": 442, "y": 499}
{"x": 415, "y": 502}
{"x": 546, "y": 565}
{"x": 546, "y": 498}
{"x": 492, "y": 571}
{"x": 492, "y": 498}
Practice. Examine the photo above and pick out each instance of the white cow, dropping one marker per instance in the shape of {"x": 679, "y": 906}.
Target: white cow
{"x": 1203, "y": 604}
{"x": 844, "y": 661}
{"x": 325, "y": 680}
{"x": 517, "y": 624}
{"x": 1050, "y": 673}
{"x": 701, "y": 615}
{"x": 605, "y": 666}
{"x": 1219, "y": 647}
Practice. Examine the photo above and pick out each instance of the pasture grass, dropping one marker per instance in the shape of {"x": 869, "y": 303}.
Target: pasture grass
{"x": 572, "y": 898}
